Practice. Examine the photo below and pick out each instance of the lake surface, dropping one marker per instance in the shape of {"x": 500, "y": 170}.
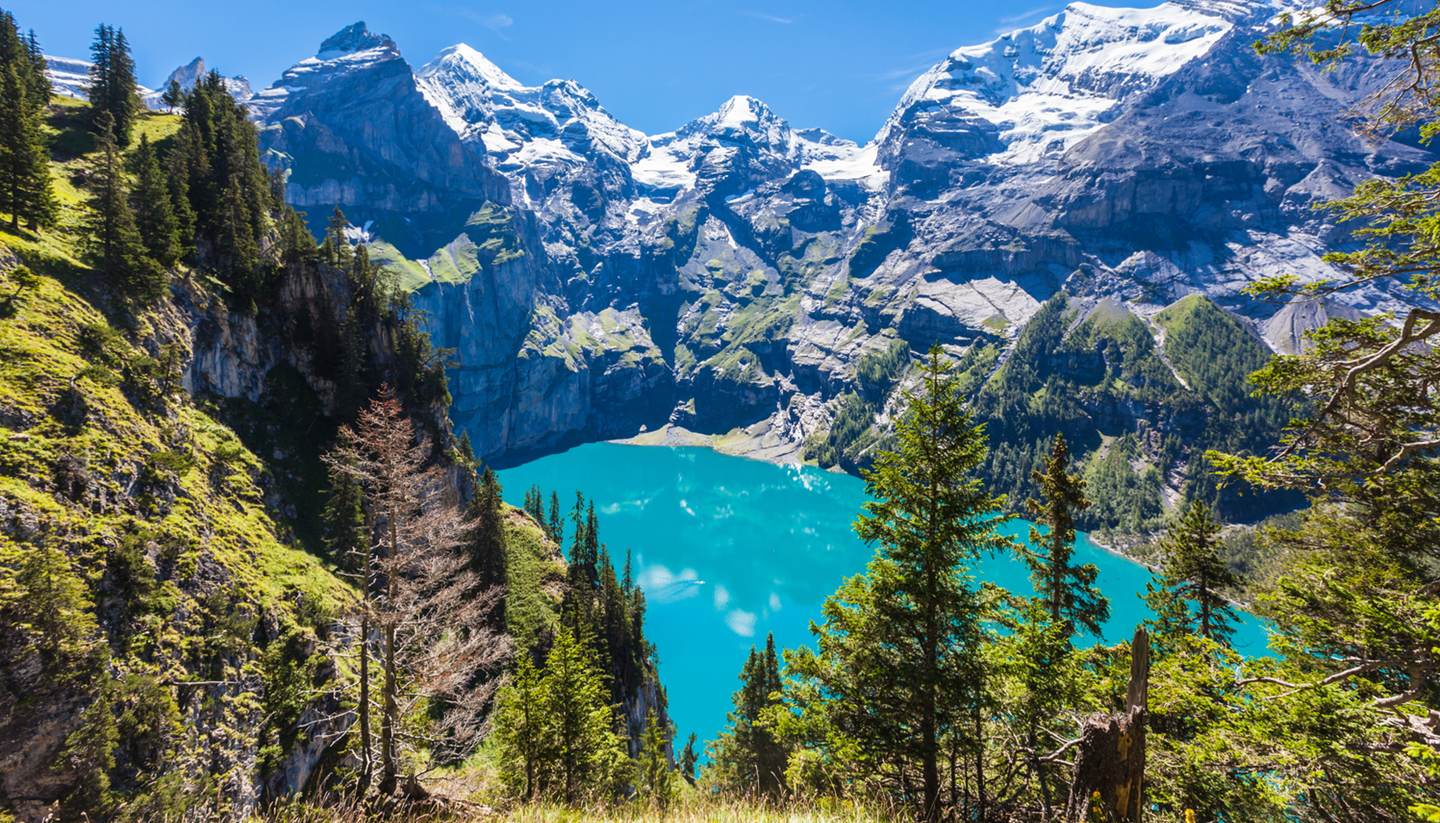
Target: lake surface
{"x": 728, "y": 549}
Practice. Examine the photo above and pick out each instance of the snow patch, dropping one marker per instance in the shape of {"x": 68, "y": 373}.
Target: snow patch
{"x": 1048, "y": 86}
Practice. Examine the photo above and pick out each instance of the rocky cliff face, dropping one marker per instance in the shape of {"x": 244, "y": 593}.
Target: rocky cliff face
{"x": 351, "y": 128}
{"x": 154, "y": 607}
{"x": 736, "y": 272}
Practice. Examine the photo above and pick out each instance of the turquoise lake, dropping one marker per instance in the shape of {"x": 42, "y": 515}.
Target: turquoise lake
{"x": 728, "y": 549}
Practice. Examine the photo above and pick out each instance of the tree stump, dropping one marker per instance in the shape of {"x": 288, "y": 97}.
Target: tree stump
{"x": 1110, "y": 766}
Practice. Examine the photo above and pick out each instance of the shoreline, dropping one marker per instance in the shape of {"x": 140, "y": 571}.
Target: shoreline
{"x": 758, "y": 443}
{"x": 755, "y": 442}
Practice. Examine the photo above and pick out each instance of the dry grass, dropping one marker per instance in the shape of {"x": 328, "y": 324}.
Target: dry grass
{"x": 694, "y": 808}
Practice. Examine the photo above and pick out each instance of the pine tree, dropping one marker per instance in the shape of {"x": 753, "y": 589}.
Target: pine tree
{"x": 1068, "y": 591}
{"x": 591, "y": 554}
{"x": 154, "y": 215}
{"x": 770, "y": 754}
{"x": 174, "y": 96}
{"x": 297, "y": 245}
{"x": 335, "y": 249}
{"x": 689, "y": 757}
{"x": 112, "y": 83}
{"x": 238, "y": 250}
{"x": 99, "y": 88}
{"x": 215, "y": 163}
{"x": 898, "y": 665}
{"x": 557, "y": 525}
{"x": 749, "y": 758}
{"x": 524, "y": 731}
{"x": 364, "y": 281}
{"x": 1043, "y": 679}
{"x": 177, "y": 185}
{"x": 352, "y": 367}
{"x": 535, "y": 507}
{"x": 655, "y": 772}
{"x": 24, "y": 160}
{"x": 40, "y": 91}
{"x": 589, "y": 755}
{"x": 346, "y": 531}
{"x": 487, "y": 533}
{"x": 112, "y": 238}
{"x": 122, "y": 99}
{"x": 1189, "y": 592}
{"x": 584, "y": 548}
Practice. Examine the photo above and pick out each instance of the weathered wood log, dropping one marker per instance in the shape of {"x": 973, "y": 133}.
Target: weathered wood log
{"x": 1110, "y": 764}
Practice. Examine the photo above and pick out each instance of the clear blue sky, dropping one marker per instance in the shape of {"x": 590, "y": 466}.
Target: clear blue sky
{"x": 837, "y": 64}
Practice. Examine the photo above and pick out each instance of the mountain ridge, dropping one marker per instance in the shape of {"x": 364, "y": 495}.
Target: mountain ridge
{"x": 733, "y": 274}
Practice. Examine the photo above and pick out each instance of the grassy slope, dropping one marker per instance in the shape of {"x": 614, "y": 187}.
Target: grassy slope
{"x": 218, "y": 508}
{"x": 163, "y": 473}
{"x": 536, "y": 577}
{"x": 157, "y": 508}
{"x": 41, "y": 354}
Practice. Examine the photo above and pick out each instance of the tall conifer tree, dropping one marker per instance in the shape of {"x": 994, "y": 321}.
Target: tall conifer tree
{"x": 112, "y": 83}
{"x": 113, "y": 240}
{"x": 589, "y": 755}
{"x": 40, "y": 91}
{"x": 655, "y": 771}
{"x": 1188, "y": 594}
{"x": 24, "y": 160}
{"x": 898, "y": 665}
{"x": 487, "y": 532}
{"x": 749, "y": 758}
{"x": 557, "y": 523}
{"x": 154, "y": 213}
{"x": 1068, "y": 590}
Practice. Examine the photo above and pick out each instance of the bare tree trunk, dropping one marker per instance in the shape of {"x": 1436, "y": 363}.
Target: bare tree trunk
{"x": 930, "y": 769}
{"x": 954, "y": 783}
{"x": 1037, "y": 768}
{"x": 979, "y": 759}
{"x": 1110, "y": 765}
{"x": 430, "y": 610}
{"x": 388, "y": 707}
{"x": 366, "y": 766}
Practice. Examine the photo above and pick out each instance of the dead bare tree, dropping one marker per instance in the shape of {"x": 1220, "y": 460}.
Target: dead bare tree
{"x": 423, "y": 611}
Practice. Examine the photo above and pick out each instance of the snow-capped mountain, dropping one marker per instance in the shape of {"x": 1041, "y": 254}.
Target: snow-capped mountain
{"x": 741, "y": 143}
{"x": 521, "y": 125}
{"x": 70, "y": 77}
{"x": 1035, "y": 92}
{"x": 533, "y": 130}
{"x": 352, "y": 51}
{"x": 735, "y": 271}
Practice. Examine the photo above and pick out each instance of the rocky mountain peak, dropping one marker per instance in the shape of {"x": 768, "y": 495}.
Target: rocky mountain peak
{"x": 191, "y": 73}
{"x": 187, "y": 75}
{"x": 463, "y": 59}
{"x": 353, "y": 38}
{"x": 558, "y": 123}
{"x": 743, "y": 115}
{"x": 740, "y": 269}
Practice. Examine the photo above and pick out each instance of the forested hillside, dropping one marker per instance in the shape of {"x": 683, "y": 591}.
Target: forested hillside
{"x": 191, "y": 565}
